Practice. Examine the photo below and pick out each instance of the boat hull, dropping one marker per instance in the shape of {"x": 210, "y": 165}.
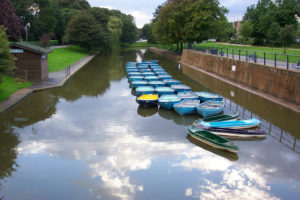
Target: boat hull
{"x": 221, "y": 117}
{"x": 147, "y": 103}
{"x": 147, "y": 100}
{"x": 167, "y": 105}
{"x": 210, "y": 144}
{"x": 184, "y": 110}
{"x": 212, "y": 139}
{"x": 238, "y": 124}
{"x": 235, "y": 133}
{"x": 207, "y": 111}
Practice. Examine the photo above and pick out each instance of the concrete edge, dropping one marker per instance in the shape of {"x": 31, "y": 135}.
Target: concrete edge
{"x": 24, "y": 92}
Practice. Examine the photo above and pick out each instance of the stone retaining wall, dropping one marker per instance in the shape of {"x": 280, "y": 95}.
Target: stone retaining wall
{"x": 278, "y": 82}
{"x": 165, "y": 53}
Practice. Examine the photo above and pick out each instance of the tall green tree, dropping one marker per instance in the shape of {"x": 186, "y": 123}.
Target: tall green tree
{"x": 129, "y": 30}
{"x": 6, "y": 59}
{"x": 265, "y": 12}
{"x": 188, "y": 21}
{"x": 246, "y": 30}
{"x": 287, "y": 36}
{"x": 48, "y": 16}
{"x": 115, "y": 29}
{"x": 85, "y": 31}
{"x": 273, "y": 32}
{"x": 146, "y": 32}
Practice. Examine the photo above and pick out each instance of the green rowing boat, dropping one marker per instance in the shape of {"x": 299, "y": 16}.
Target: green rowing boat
{"x": 212, "y": 139}
{"x": 217, "y": 118}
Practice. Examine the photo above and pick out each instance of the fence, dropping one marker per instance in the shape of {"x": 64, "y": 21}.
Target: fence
{"x": 266, "y": 58}
{"x": 67, "y": 70}
{"x": 272, "y": 130}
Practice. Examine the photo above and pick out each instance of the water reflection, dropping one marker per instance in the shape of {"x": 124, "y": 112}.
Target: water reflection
{"x": 177, "y": 119}
{"x": 147, "y": 112}
{"x": 8, "y": 154}
{"x": 92, "y": 143}
{"x": 228, "y": 155}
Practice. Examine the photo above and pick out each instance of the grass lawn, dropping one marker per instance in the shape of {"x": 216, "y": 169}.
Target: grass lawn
{"x": 60, "y": 58}
{"x": 9, "y": 85}
{"x": 140, "y": 45}
{"x": 294, "y": 53}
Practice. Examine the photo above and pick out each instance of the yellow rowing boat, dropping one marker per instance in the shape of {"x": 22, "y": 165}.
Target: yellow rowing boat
{"x": 147, "y": 99}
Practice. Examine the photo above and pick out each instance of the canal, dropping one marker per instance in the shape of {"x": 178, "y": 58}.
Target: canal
{"x": 91, "y": 140}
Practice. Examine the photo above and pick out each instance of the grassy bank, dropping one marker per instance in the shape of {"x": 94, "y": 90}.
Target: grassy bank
{"x": 9, "y": 85}
{"x": 138, "y": 45}
{"x": 294, "y": 54}
{"x": 60, "y": 58}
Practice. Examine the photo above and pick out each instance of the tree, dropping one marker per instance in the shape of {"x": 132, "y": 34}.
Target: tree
{"x": 287, "y": 36}
{"x": 6, "y": 59}
{"x": 187, "y": 21}
{"x": 246, "y": 30}
{"x": 227, "y": 31}
{"x": 84, "y": 31}
{"x": 146, "y": 32}
{"x": 273, "y": 32}
{"x": 115, "y": 29}
{"x": 266, "y": 12}
{"x": 46, "y": 16}
{"x": 129, "y": 30}
{"x": 10, "y": 20}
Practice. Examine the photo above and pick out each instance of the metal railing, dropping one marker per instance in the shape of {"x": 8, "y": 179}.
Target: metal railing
{"x": 67, "y": 70}
{"x": 287, "y": 61}
{"x": 274, "y": 131}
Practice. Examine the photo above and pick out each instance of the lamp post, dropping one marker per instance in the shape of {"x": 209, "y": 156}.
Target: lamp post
{"x": 26, "y": 29}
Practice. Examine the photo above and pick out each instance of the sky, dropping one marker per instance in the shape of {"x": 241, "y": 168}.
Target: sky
{"x": 142, "y": 10}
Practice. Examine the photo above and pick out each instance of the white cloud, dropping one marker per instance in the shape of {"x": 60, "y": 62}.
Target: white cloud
{"x": 108, "y": 7}
{"x": 141, "y": 18}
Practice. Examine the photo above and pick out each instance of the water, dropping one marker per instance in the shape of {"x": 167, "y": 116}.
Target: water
{"x": 91, "y": 140}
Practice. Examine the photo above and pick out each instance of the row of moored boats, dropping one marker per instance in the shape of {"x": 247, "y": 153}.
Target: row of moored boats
{"x": 154, "y": 86}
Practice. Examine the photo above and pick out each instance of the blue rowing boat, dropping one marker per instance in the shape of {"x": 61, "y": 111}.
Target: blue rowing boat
{"x": 170, "y": 82}
{"x": 167, "y": 101}
{"x": 164, "y": 77}
{"x": 180, "y": 88}
{"x": 161, "y": 73}
{"x": 164, "y": 90}
{"x": 135, "y": 84}
{"x": 205, "y": 96}
{"x": 186, "y": 107}
{"x": 156, "y": 70}
{"x": 147, "y": 73}
{"x": 238, "y": 124}
{"x": 150, "y": 61}
{"x": 151, "y": 78}
{"x": 136, "y": 78}
{"x": 145, "y": 70}
{"x": 132, "y": 70}
{"x": 156, "y": 67}
{"x": 144, "y": 90}
{"x": 210, "y": 108}
{"x": 134, "y": 73}
{"x": 156, "y": 83}
{"x": 188, "y": 95}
